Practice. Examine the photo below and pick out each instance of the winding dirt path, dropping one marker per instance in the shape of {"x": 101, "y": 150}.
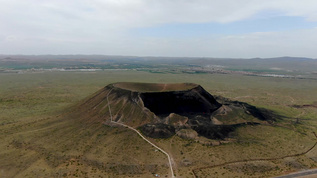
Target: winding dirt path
{"x": 254, "y": 160}
{"x": 131, "y": 128}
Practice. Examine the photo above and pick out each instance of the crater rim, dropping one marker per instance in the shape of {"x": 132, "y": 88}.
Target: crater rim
{"x": 154, "y": 87}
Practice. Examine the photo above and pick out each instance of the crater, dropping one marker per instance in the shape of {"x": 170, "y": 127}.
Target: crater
{"x": 181, "y": 98}
{"x": 162, "y": 110}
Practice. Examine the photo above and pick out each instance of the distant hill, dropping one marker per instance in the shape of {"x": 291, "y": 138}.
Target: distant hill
{"x": 281, "y": 64}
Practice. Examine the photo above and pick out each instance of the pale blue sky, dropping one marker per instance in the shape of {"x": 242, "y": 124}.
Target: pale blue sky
{"x": 202, "y": 28}
{"x": 269, "y": 24}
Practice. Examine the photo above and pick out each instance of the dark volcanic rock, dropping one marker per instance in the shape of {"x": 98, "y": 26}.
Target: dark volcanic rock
{"x": 218, "y": 131}
{"x": 187, "y": 134}
{"x": 158, "y": 130}
{"x": 214, "y": 131}
{"x": 260, "y": 113}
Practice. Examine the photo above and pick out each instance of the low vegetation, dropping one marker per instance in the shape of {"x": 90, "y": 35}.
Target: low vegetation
{"x": 39, "y": 139}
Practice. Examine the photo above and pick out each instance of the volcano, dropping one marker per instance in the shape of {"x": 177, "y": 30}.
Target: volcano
{"x": 163, "y": 110}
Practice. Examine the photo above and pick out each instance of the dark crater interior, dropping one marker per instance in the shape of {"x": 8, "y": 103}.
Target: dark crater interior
{"x": 195, "y": 101}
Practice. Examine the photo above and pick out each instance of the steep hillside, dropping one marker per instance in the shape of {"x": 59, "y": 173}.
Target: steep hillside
{"x": 163, "y": 110}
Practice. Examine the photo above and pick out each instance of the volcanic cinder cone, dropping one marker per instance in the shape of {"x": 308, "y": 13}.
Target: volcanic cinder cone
{"x": 161, "y": 110}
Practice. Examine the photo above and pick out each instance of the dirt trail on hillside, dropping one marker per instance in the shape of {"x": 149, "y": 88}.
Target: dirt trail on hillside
{"x": 133, "y": 129}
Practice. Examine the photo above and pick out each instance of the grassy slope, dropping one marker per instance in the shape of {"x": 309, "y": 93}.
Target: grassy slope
{"x": 37, "y": 142}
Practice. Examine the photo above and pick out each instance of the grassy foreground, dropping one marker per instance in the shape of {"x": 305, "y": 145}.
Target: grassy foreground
{"x": 38, "y": 140}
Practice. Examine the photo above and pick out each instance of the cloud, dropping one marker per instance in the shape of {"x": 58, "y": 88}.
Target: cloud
{"x": 140, "y": 13}
{"x": 103, "y": 26}
{"x": 152, "y": 12}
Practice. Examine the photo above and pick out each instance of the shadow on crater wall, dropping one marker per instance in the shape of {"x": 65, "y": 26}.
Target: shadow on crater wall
{"x": 196, "y": 101}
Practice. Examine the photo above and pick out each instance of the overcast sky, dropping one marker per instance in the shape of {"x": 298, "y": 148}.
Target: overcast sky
{"x": 201, "y": 28}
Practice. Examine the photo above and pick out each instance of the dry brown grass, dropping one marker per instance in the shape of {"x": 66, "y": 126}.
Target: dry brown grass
{"x": 37, "y": 143}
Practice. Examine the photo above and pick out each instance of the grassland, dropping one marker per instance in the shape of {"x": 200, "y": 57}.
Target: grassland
{"x": 38, "y": 140}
